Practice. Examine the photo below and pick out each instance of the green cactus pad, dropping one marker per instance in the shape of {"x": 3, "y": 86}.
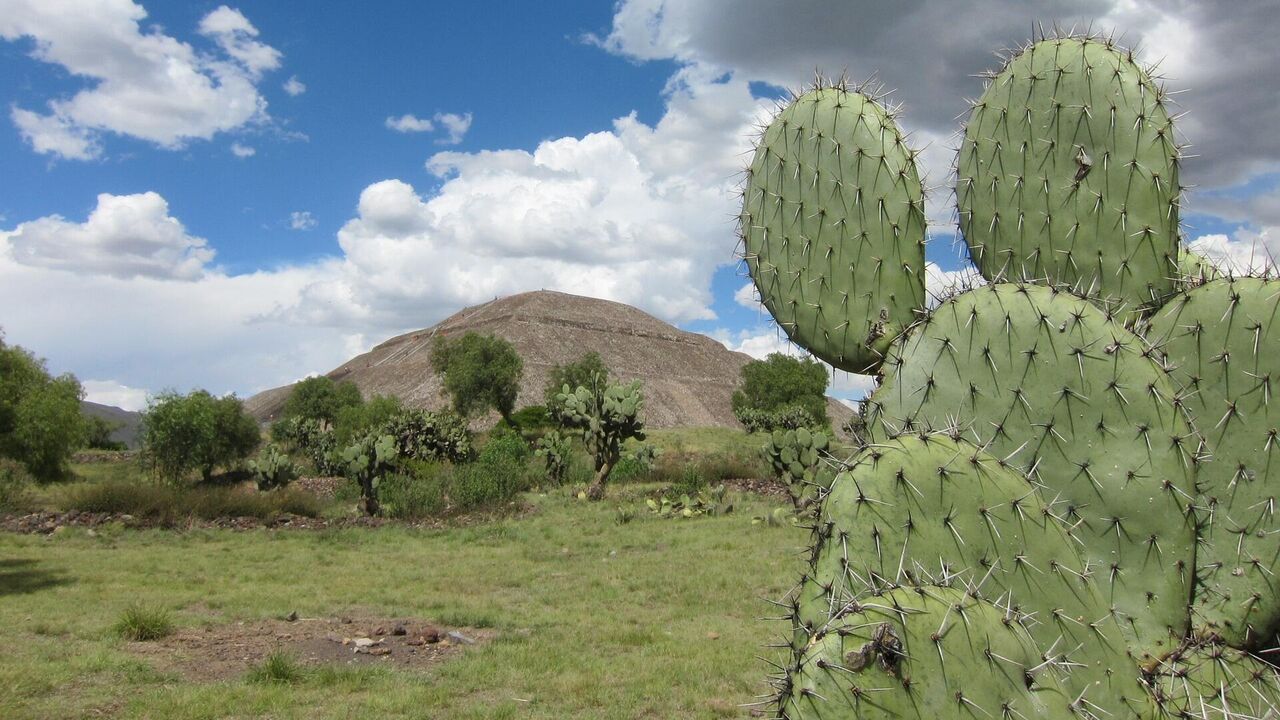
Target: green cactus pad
{"x": 1043, "y": 380}
{"x": 1213, "y": 681}
{"x": 833, "y": 226}
{"x": 1068, "y": 171}
{"x": 797, "y": 459}
{"x": 930, "y": 653}
{"x": 930, "y": 511}
{"x": 1223, "y": 345}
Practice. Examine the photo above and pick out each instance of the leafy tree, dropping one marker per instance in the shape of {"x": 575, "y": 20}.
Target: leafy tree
{"x": 584, "y": 371}
{"x": 181, "y": 433}
{"x": 98, "y": 433}
{"x": 320, "y": 398}
{"x": 40, "y": 420}
{"x": 480, "y": 372}
{"x": 355, "y": 421}
{"x": 781, "y": 381}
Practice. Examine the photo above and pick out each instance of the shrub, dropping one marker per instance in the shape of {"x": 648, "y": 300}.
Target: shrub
{"x": 98, "y": 434}
{"x": 181, "y": 433}
{"x": 497, "y": 475}
{"x": 792, "y": 417}
{"x": 556, "y": 452}
{"x": 40, "y": 420}
{"x": 417, "y": 491}
{"x": 781, "y": 381}
{"x": 425, "y": 435}
{"x": 367, "y": 462}
{"x": 532, "y": 418}
{"x": 606, "y": 417}
{"x": 143, "y": 623}
{"x": 15, "y": 486}
{"x": 355, "y": 421}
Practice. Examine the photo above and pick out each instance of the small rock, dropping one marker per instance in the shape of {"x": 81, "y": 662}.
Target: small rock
{"x": 292, "y": 616}
{"x": 432, "y": 634}
{"x": 379, "y": 651}
{"x": 399, "y": 630}
{"x": 456, "y": 636}
{"x": 345, "y": 621}
{"x": 379, "y": 631}
{"x": 333, "y": 638}
{"x": 713, "y": 636}
{"x": 415, "y": 642}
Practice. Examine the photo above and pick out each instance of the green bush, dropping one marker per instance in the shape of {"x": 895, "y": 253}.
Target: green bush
{"x": 15, "y": 486}
{"x": 321, "y": 399}
{"x": 40, "y": 420}
{"x": 479, "y": 372}
{"x": 532, "y": 418}
{"x": 785, "y": 418}
{"x": 584, "y": 371}
{"x": 497, "y": 475}
{"x": 98, "y": 434}
{"x": 182, "y": 433}
{"x": 356, "y": 421}
{"x": 426, "y": 435}
{"x": 418, "y": 491}
{"x": 781, "y": 381}
{"x": 143, "y": 623}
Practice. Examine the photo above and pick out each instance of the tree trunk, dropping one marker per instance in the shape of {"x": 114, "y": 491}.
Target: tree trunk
{"x": 596, "y": 490}
{"x": 370, "y": 499}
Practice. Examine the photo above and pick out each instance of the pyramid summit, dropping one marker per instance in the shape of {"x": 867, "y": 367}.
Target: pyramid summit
{"x": 688, "y": 378}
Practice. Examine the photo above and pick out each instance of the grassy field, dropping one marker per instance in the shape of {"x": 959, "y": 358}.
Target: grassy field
{"x": 593, "y": 619}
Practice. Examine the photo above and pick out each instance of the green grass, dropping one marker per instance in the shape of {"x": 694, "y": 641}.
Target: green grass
{"x": 143, "y": 622}
{"x": 593, "y": 618}
{"x": 279, "y": 667}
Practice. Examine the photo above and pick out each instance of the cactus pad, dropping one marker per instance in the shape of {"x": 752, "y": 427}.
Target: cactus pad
{"x": 1068, "y": 172}
{"x": 1222, "y": 343}
{"x": 1043, "y": 380}
{"x": 833, "y": 226}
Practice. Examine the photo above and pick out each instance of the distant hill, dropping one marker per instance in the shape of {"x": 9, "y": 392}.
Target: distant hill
{"x": 688, "y": 378}
{"x": 130, "y": 423}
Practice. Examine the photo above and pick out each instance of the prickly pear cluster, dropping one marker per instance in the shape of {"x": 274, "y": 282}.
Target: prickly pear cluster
{"x": 797, "y": 459}
{"x": 367, "y": 462}
{"x": 1065, "y": 505}
{"x": 273, "y": 468}
{"x": 607, "y": 416}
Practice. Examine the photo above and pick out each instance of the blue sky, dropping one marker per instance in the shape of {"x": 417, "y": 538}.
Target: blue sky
{"x": 235, "y": 196}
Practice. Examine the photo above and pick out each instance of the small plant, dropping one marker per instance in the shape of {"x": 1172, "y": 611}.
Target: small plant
{"x": 556, "y": 453}
{"x": 624, "y": 515}
{"x": 143, "y": 623}
{"x": 426, "y": 435}
{"x": 272, "y": 469}
{"x": 706, "y": 502}
{"x": 497, "y": 475}
{"x": 796, "y": 457}
{"x": 279, "y": 666}
{"x": 787, "y": 418}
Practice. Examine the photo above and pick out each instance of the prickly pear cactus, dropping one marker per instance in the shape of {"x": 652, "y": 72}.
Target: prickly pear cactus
{"x": 797, "y": 459}
{"x": 272, "y": 468}
{"x": 833, "y": 226}
{"x": 606, "y": 416}
{"x": 1068, "y": 173}
{"x": 1065, "y": 504}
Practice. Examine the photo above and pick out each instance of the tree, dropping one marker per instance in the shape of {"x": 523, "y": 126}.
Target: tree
{"x": 356, "y": 421}
{"x": 320, "y": 398}
{"x": 40, "y": 420}
{"x": 181, "y": 433}
{"x": 579, "y": 373}
{"x": 479, "y": 371}
{"x": 781, "y": 381}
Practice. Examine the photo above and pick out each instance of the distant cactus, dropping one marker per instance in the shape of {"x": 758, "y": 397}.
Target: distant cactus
{"x": 797, "y": 459}
{"x": 272, "y": 469}
{"x": 555, "y": 451}
{"x": 606, "y": 417}
{"x": 367, "y": 462}
{"x": 1064, "y": 505}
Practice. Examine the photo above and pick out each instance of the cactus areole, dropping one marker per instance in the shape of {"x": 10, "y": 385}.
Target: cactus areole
{"x": 1065, "y": 506}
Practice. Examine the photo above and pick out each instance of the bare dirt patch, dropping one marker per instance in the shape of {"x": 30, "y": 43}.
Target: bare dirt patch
{"x": 222, "y": 652}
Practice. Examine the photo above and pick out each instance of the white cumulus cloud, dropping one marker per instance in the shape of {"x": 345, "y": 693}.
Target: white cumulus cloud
{"x": 408, "y": 123}
{"x": 455, "y": 125}
{"x": 243, "y": 151}
{"x": 294, "y": 87}
{"x": 143, "y": 83}
{"x": 125, "y": 236}
{"x": 301, "y": 220}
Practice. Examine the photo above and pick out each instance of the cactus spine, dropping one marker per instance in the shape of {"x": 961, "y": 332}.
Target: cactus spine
{"x": 1065, "y": 506}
